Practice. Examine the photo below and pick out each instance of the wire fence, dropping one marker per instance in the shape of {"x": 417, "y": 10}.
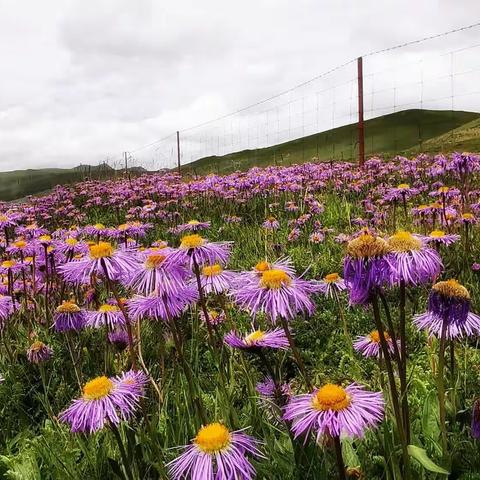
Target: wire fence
{"x": 434, "y": 81}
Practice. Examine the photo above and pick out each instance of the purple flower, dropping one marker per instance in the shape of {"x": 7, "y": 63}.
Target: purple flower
{"x": 331, "y": 285}
{"x": 275, "y": 293}
{"x": 271, "y": 223}
{"x": 193, "y": 226}
{"x": 69, "y": 316}
{"x": 333, "y": 410}
{"x": 369, "y": 345}
{"x": 107, "y": 314}
{"x": 411, "y": 260}
{"x": 439, "y": 237}
{"x": 216, "y": 454}
{"x": 102, "y": 257}
{"x": 39, "y": 352}
{"x": 476, "y": 420}
{"x": 258, "y": 339}
{"x": 119, "y": 339}
{"x": 366, "y": 266}
{"x": 196, "y": 249}
{"x": 449, "y": 307}
{"x": 6, "y": 309}
{"x": 215, "y": 279}
{"x": 105, "y": 400}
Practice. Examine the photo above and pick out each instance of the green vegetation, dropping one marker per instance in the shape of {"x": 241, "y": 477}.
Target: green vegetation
{"x": 393, "y": 134}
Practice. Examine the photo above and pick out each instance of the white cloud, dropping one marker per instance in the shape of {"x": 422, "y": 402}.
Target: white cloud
{"x": 81, "y": 81}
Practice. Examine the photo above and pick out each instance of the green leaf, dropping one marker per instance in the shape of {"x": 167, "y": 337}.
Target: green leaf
{"x": 421, "y": 456}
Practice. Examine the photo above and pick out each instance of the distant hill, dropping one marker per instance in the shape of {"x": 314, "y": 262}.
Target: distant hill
{"x": 20, "y": 183}
{"x": 407, "y": 132}
{"x": 402, "y": 132}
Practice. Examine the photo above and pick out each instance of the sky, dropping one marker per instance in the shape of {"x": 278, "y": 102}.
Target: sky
{"x": 81, "y": 82}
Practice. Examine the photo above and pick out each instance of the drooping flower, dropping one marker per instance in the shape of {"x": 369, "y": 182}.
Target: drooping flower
{"x": 39, "y": 352}
{"x": 258, "y": 339}
{"x": 216, "y": 454}
{"x": 271, "y": 223}
{"x": 333, "y": 410}
{"x": 449, "y": 308}
{"x": 369, "y": 345}
{"x": 366, "y": 266}
{"x": 69, "y": 316}
{"x": 105, "y": 401}
{"x": 118, "y": 338}
{"x": 412, "y": 261}
{"x": 6, "y": 309}
{"x": 275, "y": 293}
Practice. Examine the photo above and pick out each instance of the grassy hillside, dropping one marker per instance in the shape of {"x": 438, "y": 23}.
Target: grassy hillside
{"x": 391, "y": 134}
{"x": 408, "y": 132}
{"x": 20, "y": 183}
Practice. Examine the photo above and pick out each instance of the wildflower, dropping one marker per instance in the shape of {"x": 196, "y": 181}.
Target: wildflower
{"x": 369, "y": 345}
{"x": 6, "y": 309}
{"x": 107, "y": 314}
{"x": 332, "y": 284}
{"x": 39, "y": 352}
{"x": 413, "y": 262}
{"x": 271, "y": 223}
{"x": 449, "y": 309}
{"x": 216, "y": 453}
{"x": 439, "y": 237}
{"x": 317, "y": 237}
{"x": 468, "y": 219}
{"x": 103, "y": 259}
{"x": 214, "y": 317}
{"x": 215, "y": 279}
{"x": 118, "y": 338}
{"x": 194, "y": 249}
{"x": 69, "y": 316}
{"x": 275, "y": 293}
{"x": 366, "y": 266}
{"x": 333, "y": 410}
{"x": 258, "y": 339}
{"x": 193, "y": 226}
{"x": 105, "y": 400}
{"x": 476, "y": 419}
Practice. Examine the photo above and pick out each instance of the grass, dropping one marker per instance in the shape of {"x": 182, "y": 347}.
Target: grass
{"x": 387, "y": 135}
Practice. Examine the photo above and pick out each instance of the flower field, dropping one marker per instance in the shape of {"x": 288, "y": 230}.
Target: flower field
{"x": 315, "y": 321}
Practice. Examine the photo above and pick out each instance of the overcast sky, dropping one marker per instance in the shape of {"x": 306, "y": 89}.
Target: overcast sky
{"x": 83, "y": 80}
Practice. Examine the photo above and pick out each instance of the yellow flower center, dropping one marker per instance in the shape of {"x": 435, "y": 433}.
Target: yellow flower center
{"x": 101, "y": 250}
{"x": 375, "y": 336}
{"x": 437, "y": 234}
{"x": 443, "y": 189}
{"x": 213, "y": 314}
{"x": 212, "y": 270}
{"x": 275, "y": 279}
{"x": 262, "y": 266}
{"x": 452, "y": 288}
{"x": 331, "y": 397}
{"x": 9, "y": 263}
{"x": 28, "y": 259}
{"x": 468, "y": 216}
{"x": 68, "y": 307}
{"x": 404, "y": 242}
{"x": 20, "y": 244}
{"x": 44, "y": 238}
{"x": 422, "y": 207}
{"x": 37, "y": 346}
{"x": 367, "y": 246}
{"x": 71, "y": 242}
{"x": 213, "y": 438}
{"x": 193, "y": 222}
{"x": 403, "y": 186}
{"x": 331, "y": 277}
{"x": 123, "y": 227}
{"x": 271, "y": 219}
{"x": 255, "y": 336}
{"x": 99, "y": 226}
{"x": 97, "y": 388}
{"x": 32, "y": 226}
{"x": 108, "y": 308}
{"x": 192, "y": 241}
{"x": 3, "y": 218}
{"x": 154, "y": 260}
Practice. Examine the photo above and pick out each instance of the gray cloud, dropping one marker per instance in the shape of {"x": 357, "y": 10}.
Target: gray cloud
{"x": 83, "y": 81}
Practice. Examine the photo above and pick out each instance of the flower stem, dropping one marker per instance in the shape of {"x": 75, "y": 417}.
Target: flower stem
{"x": 339, "y": 458}
{"x": 441, "y": 390}
{"x": 123, "y": 453}
{"x": 403, "y": 367}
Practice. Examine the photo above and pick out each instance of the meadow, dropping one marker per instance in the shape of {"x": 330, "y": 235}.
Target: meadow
{"x": 313, "y": 321}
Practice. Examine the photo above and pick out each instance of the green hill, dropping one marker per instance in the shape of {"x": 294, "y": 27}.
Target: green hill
{"x": 396, "y": 133}
{"x": 407, "y": 132}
